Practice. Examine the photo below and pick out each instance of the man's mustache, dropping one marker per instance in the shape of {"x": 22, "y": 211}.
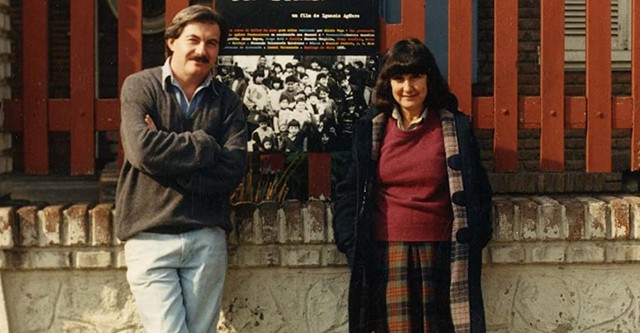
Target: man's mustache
{"x": 201, "y": 59}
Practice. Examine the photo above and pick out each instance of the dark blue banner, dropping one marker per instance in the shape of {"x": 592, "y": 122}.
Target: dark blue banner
{"x": 312, "y": 27}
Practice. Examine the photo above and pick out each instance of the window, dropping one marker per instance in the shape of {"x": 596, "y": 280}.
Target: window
{"x": 575, "y": 26}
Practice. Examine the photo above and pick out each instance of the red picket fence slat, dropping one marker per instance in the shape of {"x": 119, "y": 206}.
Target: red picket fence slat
{"x": 460, "y": 55}
{"x": 36, "y": 87}
{"x": 82, "y": 83}
{"x": 129, "y": 39}
{"x": 552, "y": 85}
{"x": 412, "y": 24}
{"x": 598, "y": 84}
{"x": 172, "y": 8}
{"x": 129, "y": 46}
{"x": 505, "y": 142}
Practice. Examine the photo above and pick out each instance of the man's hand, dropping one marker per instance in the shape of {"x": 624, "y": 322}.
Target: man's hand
{"x": 150, "y": 123}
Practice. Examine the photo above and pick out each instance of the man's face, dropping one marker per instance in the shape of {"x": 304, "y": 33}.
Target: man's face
{"x": 262, "y": 61}
{"x": 195, "y": 51}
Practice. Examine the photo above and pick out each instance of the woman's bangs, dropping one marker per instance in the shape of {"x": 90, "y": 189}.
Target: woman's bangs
{"x": 407, "y": 65}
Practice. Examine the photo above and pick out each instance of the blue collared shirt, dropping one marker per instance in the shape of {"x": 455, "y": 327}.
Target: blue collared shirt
{"x": 173, "y": 86}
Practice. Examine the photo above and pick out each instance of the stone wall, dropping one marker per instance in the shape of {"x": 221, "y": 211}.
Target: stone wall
{"x": 556, "y": 264}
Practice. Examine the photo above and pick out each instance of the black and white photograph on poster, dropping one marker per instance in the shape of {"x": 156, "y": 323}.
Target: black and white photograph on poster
{"x": 305, "y": 72}
{"x": 300, "y": 103}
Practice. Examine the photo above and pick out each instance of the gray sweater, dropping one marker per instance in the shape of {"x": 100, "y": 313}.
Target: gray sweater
{"x": 182, "y": 173}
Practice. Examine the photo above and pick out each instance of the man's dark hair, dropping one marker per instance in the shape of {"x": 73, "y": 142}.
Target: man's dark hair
{"x": 195, "y": 13}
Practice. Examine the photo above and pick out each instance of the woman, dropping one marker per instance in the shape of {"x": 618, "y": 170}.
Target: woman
{"x": 239, "y": 82}
{"x": 414, "y": 206}
{"x": 256, "y": 100}
{"x": 256, "y": 97}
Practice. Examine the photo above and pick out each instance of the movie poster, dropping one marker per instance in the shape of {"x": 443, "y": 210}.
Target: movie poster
{"x": 305, "y": 70}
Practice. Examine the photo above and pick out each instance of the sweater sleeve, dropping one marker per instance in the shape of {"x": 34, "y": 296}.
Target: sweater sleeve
{"x": 159, "y": 152}
{"x": 231, "y": 164}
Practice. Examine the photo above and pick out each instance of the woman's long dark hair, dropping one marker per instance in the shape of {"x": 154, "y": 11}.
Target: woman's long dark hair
{"x": 410, "y": 56}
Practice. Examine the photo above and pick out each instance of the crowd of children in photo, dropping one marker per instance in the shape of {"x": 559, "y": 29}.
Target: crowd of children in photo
{"x": 301, "y": 107}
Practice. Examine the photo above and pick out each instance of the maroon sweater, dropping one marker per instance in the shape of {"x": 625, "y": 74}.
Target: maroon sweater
{"x": 412, "y": 193}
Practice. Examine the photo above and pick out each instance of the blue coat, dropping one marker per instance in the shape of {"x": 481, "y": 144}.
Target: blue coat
{"x": 352, "y": 205}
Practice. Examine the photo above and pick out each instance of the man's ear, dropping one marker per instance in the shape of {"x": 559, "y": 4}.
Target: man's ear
{"x": 170, "y": 43}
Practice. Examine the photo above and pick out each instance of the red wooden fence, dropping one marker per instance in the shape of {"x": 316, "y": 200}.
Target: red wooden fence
{"x": 598, "y": 112}
{"x": 82, "y": 85}
{"x": 552, "y": 85}
{"x": 35, "y": 94}
{"x": 598, "y": 55}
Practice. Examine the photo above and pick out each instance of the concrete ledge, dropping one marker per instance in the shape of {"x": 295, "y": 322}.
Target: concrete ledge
{"x": 527, "y": 229}
{"x": 554, "y": 265}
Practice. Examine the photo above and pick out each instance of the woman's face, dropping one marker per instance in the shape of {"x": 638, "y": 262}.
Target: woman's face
{"x": 410, "y": 91}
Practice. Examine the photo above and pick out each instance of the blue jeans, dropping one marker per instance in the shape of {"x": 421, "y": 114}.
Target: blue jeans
{"x": 177, "y": 280}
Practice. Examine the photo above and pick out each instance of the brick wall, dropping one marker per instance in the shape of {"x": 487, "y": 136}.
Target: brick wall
{"x": 83, "y": 237}
{"x": 548, "y": 254}
{"x": 566, "y": 230}
{"x": 528, "y": 229}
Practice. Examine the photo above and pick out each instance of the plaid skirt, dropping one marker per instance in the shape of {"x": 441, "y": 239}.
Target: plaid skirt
{"x": 408, "y": 288}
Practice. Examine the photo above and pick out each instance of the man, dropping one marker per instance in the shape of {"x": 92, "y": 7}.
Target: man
{"x": 350, "y": 97}
{"x": 326, "y": 105}
{"x": 290, "y": 91}
{"x": 261, "y": 66}
{"x": 293, "y": 141}
{"x": 184, "y": 138}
